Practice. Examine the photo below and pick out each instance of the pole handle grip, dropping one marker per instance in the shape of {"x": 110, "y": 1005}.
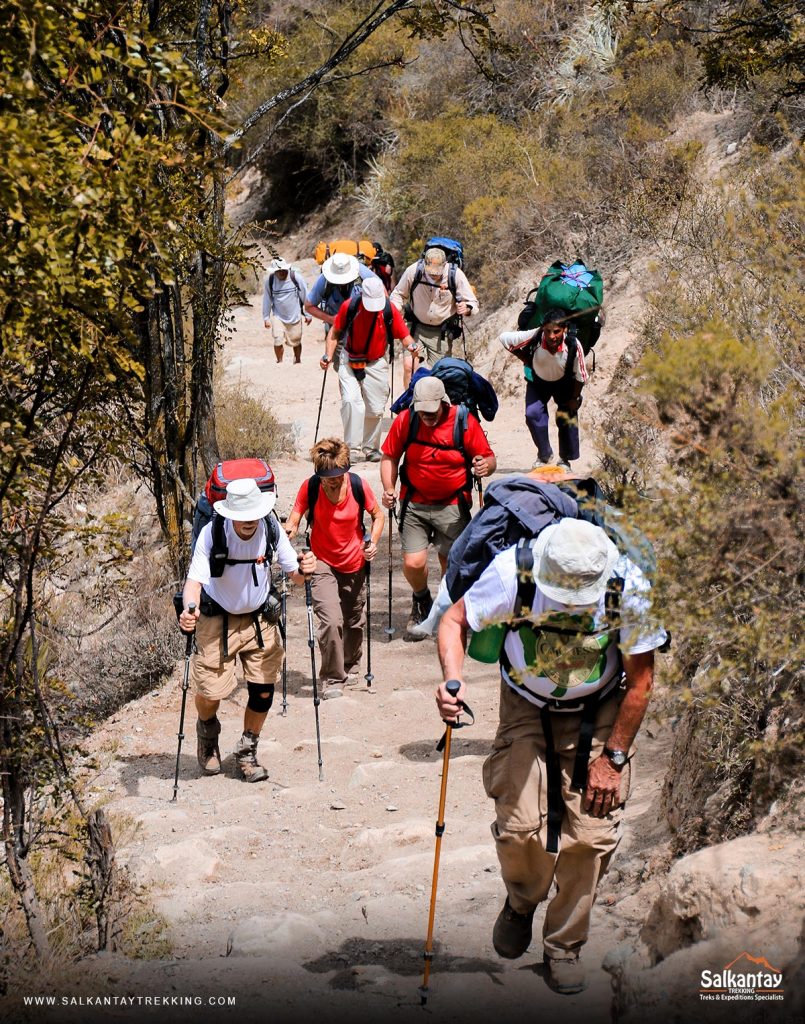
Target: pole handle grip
{"x": 453, "y": 686}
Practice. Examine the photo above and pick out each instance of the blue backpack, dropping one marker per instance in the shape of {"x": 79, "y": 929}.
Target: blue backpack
{"x": 463, "y": 386}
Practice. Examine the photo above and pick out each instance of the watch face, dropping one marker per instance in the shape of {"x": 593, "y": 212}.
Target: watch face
{"x": 617, "y": 757}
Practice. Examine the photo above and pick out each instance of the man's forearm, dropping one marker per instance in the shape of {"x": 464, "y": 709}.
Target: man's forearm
{"x": 452, "y": 640}
{"x": 191, "y": 593}
{"x": 319, "y": 314}
{"x": 639, "y": 669}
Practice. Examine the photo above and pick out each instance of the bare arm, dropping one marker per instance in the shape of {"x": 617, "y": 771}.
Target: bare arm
{"x": 292, "y": 524}
{"x": 388, "y": 477}
{"x": 451, "y": 643}
{"x": 603, "y": 779}
{"x": 319, "y": 314}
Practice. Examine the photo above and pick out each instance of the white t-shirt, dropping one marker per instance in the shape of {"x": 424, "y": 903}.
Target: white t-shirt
{"x": 235, "y": 590}
{"x": 547, "y": 365}
{"x": 562, "y": 666}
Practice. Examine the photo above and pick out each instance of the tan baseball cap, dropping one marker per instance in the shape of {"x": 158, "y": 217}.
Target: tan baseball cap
{"x": 429, "y": 394}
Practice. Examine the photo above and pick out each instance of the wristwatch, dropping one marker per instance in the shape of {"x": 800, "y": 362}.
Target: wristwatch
{"x": 617, "y": 758}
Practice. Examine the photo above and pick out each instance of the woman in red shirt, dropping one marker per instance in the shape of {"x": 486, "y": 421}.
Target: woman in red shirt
{"x": 335, "y": 525}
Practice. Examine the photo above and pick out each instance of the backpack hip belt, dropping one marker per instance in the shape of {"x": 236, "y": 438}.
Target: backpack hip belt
{"x": 270, "y": 609}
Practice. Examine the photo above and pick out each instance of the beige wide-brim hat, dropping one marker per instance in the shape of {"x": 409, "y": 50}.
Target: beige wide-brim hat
{"x": 340, "y": 268}
{"x": 573, "y": 561}
{"x": 245, "y": 501}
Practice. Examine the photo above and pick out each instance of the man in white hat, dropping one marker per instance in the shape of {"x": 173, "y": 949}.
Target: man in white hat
{"x": 341, "y": 277}
{"x": 577, "y": 667}
{"x": 229, "y": 582}
{"x": 367, "y": 325}
{"x": 436, "y": 449}
{"x": 284, "y": 297}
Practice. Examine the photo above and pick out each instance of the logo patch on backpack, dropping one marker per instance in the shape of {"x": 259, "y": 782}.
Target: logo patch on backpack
{"x": 568, "y": 654}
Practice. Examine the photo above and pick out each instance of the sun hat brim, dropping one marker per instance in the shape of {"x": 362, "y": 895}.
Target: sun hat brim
{"x": 257, "y": 510}
{"x": 346, "y": 276}
{"x": 591, "y": 593}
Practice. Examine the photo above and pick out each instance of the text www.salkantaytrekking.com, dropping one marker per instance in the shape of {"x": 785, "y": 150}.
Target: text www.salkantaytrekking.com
{"x": 129, "y": 1000}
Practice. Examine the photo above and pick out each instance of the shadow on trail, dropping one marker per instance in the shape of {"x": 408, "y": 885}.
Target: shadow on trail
{"x": 425, "y": 750}
{"x": 398, "y": 956}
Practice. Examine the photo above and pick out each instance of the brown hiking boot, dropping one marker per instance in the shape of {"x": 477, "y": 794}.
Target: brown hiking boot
{"x": 565, "y": 975}
{"x": 420, "y": 610}
{"x": 246, "y": 757}
{"x": 511, "y": 935}
{"x": 209, "y": 756}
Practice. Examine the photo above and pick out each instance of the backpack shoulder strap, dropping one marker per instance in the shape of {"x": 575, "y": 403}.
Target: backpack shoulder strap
{"x": 352, "y": 312}
{"x": 359, "y": 494}
{"x": 388, "y": 320}
{"x": 451, "y": 279}
{"x": 418, "y": 274}
{"x": 572, "y": 354}
{"x": 313, "y": 488}
{"x": 272, "y": 536}
{"x": 219, "y": 551}
{"x": 526, "y": 587}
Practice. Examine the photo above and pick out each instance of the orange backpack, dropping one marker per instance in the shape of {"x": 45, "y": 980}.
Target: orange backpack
{"x": 364, "y": 250}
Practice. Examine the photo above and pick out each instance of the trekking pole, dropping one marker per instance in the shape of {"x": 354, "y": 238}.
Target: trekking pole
{"x": 284, "y": 632}
{"x": 311, "y": 644}
{"x": 368, "y": 677}
{"x": 453, "y": 686}
{"x": 178, "y": 604}
{"x": 389, "y": 630}
{"x": 321, "y": 400}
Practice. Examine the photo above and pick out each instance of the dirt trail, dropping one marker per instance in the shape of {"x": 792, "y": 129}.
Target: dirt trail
{"x": 320, "y": 890}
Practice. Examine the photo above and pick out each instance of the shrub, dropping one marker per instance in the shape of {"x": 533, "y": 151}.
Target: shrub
{"x": 245, "y": 427}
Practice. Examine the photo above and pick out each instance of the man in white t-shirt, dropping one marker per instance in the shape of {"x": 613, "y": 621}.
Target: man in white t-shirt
{"x": 554, "y": 369}
{"x": 230, "y": 588}
{"x": 577, "y": 666}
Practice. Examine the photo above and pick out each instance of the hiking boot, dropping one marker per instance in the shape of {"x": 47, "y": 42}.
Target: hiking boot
{"x": 420, "y": 610}
{"x": 246, "y": 757}
{"x": 565, "y": 975}
{"x": 561, "y": 464}
{"x": 539, "y": 462}
{"x": 207, "y": 752}
{"x": 330, "y": 691}
{"x": 373, "y": 455}
{"x": 511, "y": 935}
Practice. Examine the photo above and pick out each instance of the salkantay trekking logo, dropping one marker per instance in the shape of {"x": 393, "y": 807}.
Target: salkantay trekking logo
{"x": 741, "y": 982}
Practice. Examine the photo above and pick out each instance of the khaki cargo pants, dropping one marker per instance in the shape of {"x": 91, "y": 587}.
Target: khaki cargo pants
{"x": 515, "y": 777}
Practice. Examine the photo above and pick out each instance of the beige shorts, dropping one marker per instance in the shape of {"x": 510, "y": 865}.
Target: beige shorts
{"x": 290, "y": 334}
{"x": 213, "y": 675}
{"x": 439, "y": 525}
{"x": 430, "y": 345}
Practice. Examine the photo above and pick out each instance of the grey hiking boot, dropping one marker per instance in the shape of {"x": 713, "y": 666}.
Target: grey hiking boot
{"x": 511, "y": 935}
{"x": 564, "y": 975}
{"x": 246, "y": 757}
{"x": 420, "y": 610}
{"x": 209, "y": 756}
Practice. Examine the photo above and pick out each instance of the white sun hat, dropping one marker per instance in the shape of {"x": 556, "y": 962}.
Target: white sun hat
{"x": 573, "y": 560}
{"x": 340, "y": 268}
{"x": 245, "y": 501}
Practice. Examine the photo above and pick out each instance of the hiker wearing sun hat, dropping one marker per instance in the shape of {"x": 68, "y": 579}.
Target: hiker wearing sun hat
{"x": 367, "y": 324}
{"x": 340, "y": 278}
{"x": 234, "y": 618}
{"x": 284, "y": 297}
{"x": 576, "y": 666}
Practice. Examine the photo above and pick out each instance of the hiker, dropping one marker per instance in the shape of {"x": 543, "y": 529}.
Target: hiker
{"x": 284, "y": 297}
{"x": 435, "y": 448}
{"x": 367, "y": 324}
{"x": 340, "y": 278}
{"x": 437, "y": 293}
{"x": 554, "y": 369}
{"x": 235, "y": 618}
{"x": 570, "y": 710}
{"x": 334, "y": 501}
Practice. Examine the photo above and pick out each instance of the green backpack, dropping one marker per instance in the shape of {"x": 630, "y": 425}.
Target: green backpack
{"x": 571, "y": 287}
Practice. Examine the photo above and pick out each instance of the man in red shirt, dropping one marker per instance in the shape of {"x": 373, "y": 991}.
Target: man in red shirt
{"x": 370, "y": 323}
{"x": 338, "y": 585}
{"x": 435, "y": 448}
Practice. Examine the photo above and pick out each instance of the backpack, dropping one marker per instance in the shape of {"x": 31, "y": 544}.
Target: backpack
{"x": 571, "y": 287}
{"x": 314, "y": 488}
{"x": 352, "y": 312}
{"x": 453, "y": 250}
{"x": 293, "y": 278}
{"x": 383, "y": 265}
{"x": 525, "y": 353}
{"x": 463, "y": 386}
{"x": 363, "y": 250}
{"x": 215, "y": 490}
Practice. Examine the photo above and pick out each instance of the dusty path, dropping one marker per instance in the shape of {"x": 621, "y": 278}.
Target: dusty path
{"x": 320, "y": 890}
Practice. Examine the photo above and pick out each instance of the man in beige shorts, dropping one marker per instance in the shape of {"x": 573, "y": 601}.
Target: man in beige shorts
{"x": 229, "y": 582}
{"x": 284, "y": 297}
{"x": 576, "y": 667}
{"x": 436, "y": 449}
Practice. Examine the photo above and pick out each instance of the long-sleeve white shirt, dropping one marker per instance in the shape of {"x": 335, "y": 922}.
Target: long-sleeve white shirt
{"x": 285, "y": 298}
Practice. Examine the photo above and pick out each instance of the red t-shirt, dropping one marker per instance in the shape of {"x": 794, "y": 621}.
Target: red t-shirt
{"x": 359, "y": 343}
{"x": 436, "y": 474}
{"x": 337, "y": 537}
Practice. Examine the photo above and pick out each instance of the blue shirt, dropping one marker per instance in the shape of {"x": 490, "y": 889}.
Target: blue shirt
{"x": 340, "y": 293}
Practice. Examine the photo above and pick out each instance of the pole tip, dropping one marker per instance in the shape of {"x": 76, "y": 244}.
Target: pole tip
{"x": 423, "y": 996}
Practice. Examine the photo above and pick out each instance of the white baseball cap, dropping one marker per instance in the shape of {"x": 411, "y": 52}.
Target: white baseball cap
{"x": 279, "y": 264}
{"x": 373, "y": 294}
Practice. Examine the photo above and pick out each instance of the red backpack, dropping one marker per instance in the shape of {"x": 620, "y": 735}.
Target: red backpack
{"x": 238, "y": 469}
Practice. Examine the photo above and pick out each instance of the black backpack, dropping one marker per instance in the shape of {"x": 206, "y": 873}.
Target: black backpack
{"x": 352, "y": 312}
{"x": 459, "y": 430}
{"x": 463, "y": 386}
{"x": 314, "y": 488}
{"x": 219, "y": 553}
